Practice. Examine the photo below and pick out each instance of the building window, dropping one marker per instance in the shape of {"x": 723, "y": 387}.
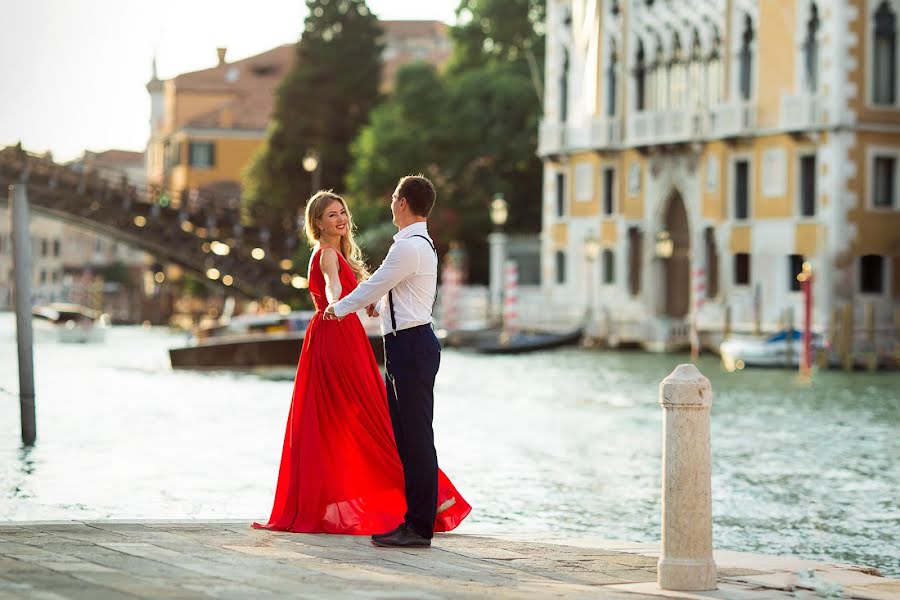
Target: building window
{"x": 201, "y": 155}
{"x": 560, "y": 267}
{"x": 871, "y": 274}
{"x": 564, "y": 89}
{"x": 795, "y": 267}
{"x": 885, "y": 186}
{"x": 660, "y": 86}
{"x": 609, "y": 180}
{"x": 44, "y": 247}
{"x": 56, "y": 247}
{"x": 677, "y": 81}
{"x": 714, "y": 72}
{"x": 43, "y": 276}
{"x": 560, "y": 195}
{"x": 695, "y": 74}
{"x": 611, "y": 77}
{"x": 808, "y": 186}
{"x": 712, "y": 263}
{"x": 634, "y": 260}
{"x": 741, "y": 189}
{"x": 609, "y": 267}
{"x": 742, "y": 269}
{"x": 811, "y": 50}
{"x": 884, "y": 77}
{"x": 746, "y": 61}
{"x": 640, "y": 74}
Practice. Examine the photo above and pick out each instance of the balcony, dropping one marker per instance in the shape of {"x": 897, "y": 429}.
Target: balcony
{"x": 594, "y": 134}
{"x": 551, "y": 138}
{"x": 732, "y": 120}
{"x": 670, "y": 126}
{"x": 801, "y": 112}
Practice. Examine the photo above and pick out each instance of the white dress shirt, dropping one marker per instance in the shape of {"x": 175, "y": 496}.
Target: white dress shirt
{"x": 410, "y": 270}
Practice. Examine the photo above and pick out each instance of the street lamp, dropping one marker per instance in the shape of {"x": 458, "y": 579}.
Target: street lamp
{"x": 312, "y": 164}
{"x": 664, "y": 244}
{"x": 499, "y": 212}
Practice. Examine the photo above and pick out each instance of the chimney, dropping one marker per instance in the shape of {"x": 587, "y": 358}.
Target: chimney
{"x": 221, "y": 52}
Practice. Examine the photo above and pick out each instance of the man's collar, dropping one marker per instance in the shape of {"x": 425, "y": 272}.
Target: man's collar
{"x": 411, "y": 230}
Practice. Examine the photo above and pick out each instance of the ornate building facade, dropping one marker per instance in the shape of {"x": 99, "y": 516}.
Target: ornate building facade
{"x": 698, "y": 152}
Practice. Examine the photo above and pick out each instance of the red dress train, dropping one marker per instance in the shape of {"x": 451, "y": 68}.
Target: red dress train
{"x": 340, "y": 471}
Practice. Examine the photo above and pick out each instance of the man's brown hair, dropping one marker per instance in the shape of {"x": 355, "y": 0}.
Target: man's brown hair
{"x": 419, "y": 194}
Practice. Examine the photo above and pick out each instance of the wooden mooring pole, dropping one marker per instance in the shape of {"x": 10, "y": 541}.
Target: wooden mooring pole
{"x": 18, "y": 200}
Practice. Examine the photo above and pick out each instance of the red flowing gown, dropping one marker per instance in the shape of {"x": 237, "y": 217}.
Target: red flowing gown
{"x": 340, "y": 471}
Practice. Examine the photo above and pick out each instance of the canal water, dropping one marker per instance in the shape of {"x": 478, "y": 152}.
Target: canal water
{"x": 565, "y": 442}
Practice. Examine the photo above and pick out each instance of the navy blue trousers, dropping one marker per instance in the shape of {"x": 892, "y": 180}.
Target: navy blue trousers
{"x": 412, "y": 358}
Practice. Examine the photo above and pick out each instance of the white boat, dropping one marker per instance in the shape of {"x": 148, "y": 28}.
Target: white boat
{"x": 780, "y": 349}
{"x": 69, "y": 323}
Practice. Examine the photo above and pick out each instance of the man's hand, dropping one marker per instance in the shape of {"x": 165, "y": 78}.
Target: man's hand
{"x": 329, "y": 315}
{"x": 371, "y": 310}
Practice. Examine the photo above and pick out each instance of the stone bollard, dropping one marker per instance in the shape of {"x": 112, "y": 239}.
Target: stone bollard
{"x": 687, "y": 562}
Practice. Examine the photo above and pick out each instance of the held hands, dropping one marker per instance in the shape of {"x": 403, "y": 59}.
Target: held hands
{"x": 329, "y": 315}
{"x": 371, "y": 310}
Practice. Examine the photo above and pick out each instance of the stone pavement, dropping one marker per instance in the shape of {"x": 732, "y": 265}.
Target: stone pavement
{"x": 228, "y": 559}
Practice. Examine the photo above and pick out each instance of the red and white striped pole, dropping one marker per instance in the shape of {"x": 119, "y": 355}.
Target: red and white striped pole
{"x": 452, "y": 278}
{"x": 511, "y": 298}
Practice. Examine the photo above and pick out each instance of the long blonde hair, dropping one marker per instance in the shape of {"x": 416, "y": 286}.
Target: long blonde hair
{"x": 315, "y": 208}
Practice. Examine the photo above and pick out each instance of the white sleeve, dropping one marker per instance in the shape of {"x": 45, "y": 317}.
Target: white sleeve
{"x": 402, "y": 260}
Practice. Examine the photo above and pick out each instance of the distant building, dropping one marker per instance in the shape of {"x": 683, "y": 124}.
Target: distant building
{"x": 205, "y": 126}
{"x": 711, "y": 148}
{"x": 113, "y": 165}
{"x": 408, "y": 42}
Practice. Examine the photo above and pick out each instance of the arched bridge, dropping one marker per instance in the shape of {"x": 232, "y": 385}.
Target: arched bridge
{"x": 195, "y": 234}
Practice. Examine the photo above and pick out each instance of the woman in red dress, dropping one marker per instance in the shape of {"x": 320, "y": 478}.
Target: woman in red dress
{"x": 340, "y": 471}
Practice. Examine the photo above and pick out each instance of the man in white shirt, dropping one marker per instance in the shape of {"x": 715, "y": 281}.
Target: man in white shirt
{"x": 405, "y": 287}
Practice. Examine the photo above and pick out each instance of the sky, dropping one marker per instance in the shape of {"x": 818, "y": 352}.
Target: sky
{"x": 73, "y": 72}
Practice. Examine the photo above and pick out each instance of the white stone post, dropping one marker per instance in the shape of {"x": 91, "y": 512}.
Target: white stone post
{"x": 687, "y": 562}
{"x": 497, "y": 253}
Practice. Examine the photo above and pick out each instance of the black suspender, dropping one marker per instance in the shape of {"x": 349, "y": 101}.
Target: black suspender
{"x": 391, "y": 295}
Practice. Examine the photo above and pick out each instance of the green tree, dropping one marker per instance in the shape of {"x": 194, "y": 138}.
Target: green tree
{"x": 321, "y": 105}
{"x": 472, "y": 130}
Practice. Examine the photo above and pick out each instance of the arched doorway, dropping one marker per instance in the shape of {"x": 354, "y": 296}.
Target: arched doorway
{"x": 677, "y": 267}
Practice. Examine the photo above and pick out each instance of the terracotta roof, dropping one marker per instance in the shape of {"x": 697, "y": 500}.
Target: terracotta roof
{"x": 115, "y": 158}
{"x": 414, "y": 28}
{"x": 265, "y": 69}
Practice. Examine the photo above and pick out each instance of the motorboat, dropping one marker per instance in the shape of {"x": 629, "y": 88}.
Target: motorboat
{"x": 780, "y": 349}
{"x": 268, "y": 344}
{"x": 69, "y": 323}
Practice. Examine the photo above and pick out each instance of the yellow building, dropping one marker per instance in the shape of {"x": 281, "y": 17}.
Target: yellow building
{"x": 206, "y": 125}
{"x": 698, "y": 152}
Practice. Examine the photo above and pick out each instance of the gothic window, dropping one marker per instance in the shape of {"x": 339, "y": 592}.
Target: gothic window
{"x": 640, "y": 73}
{"x": 695, "y": 74}
{"x": 714, "y": 72}
{"x": 611, "y": 82}
{"x": 660, "y": 79}
{"x": 676, "y": 74}
{"x": 811, "y": 50}
{"x": 885, "y": 55}
{"x": 746, "y": 61}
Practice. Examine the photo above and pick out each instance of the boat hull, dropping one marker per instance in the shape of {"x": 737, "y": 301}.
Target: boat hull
{"x": 251, "y": 352}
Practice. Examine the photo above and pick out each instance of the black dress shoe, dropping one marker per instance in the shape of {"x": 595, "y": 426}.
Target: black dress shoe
{"x": 393, "y": 531}
{"x": 404, "y": 538}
